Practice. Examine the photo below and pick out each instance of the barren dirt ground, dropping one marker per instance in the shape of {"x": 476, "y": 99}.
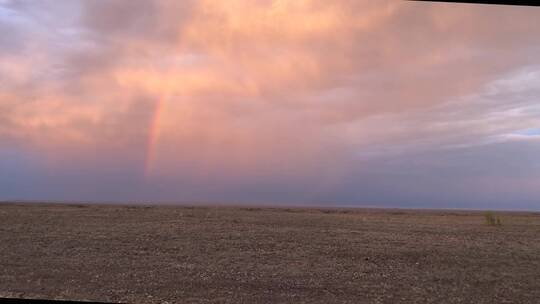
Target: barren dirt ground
{"x": 269, "y": 255}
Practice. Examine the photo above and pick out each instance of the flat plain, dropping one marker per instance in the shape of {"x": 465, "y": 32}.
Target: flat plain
{"x": 173, "y": 254}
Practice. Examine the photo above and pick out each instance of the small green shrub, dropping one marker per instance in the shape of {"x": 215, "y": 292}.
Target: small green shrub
{"x": 492, "y": 220}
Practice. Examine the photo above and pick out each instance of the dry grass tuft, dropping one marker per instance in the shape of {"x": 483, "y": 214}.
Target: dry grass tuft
{"x": 492, "y": 220}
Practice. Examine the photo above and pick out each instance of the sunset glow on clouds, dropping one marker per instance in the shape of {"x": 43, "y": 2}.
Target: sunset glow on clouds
{"x": 388, "y": 103}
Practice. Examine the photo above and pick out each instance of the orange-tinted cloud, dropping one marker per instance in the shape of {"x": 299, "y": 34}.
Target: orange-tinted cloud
{"x": 235, "y": 89}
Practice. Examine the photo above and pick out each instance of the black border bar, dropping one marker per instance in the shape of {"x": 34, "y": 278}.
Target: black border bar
{"x": 497, "y": 2}
{"x": 39, "y": 301}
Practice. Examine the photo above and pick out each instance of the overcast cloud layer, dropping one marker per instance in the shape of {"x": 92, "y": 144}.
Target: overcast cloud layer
{"x": 380, "y": 103}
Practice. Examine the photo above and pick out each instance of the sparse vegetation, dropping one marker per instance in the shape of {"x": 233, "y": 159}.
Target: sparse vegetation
{"x": 492, "y": 220}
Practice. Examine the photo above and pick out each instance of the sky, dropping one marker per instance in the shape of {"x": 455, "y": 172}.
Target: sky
{"x": 336, "y": 103}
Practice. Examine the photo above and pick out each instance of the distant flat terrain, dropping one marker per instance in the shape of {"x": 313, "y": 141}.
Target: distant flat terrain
{"x": 268, "y": 255}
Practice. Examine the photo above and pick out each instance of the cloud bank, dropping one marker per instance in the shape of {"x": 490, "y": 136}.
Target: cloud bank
{"x": 388, "y": 103}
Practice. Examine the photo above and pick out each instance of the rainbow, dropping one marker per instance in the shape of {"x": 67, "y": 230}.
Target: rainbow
{"x": 154, "y": 128}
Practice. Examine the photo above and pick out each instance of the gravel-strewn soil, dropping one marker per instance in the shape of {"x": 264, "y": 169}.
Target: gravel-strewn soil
{"x": 269, "y": 255}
